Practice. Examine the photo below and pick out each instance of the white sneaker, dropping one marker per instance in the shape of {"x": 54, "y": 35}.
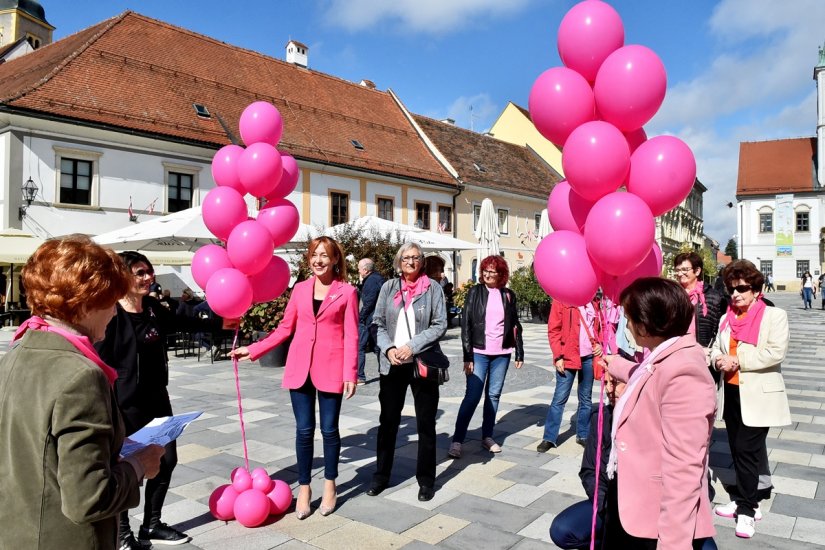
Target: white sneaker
{"x": 745, "y": 527}
{"x": 729, "y": 511}
{"x": 455, "y": 450}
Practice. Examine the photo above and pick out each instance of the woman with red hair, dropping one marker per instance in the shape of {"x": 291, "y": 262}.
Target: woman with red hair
{"x": 490, "y": 332}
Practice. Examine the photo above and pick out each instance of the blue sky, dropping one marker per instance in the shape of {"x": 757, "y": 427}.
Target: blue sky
{"x": 738, "y": 70}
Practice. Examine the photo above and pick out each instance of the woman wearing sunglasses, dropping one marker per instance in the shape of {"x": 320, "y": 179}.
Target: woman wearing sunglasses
{"x": 749, "y": 349}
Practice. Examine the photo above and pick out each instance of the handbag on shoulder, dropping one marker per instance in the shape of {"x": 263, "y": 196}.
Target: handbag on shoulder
{"x": 599, "y": 364}
{"x": 430, "y": 364}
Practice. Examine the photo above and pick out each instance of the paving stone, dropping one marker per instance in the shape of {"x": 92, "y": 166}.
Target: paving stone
{"x": 498, "y": 515}
{"x": 809, "y": 530}
{"x": 525, "y": 475}
{"x": 310, "y": 528}
{"x": 792, "y": 486}
{"x": 361, "y": 536}
{"x": 436, "y": 528}
{"x": 798, "y": 507}
{"x": 373, "y": 511}
{"x": 478, "y": 535}
{"x": 539, "y": 529}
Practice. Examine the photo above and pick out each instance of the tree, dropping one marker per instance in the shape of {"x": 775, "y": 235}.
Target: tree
{"x": 730, "y": 249}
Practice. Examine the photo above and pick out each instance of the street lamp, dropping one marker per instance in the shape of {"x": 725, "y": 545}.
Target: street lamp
{"x": 29, "y": 189}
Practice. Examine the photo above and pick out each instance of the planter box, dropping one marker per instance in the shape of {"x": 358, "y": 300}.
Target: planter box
{"x": 276, "y": 357}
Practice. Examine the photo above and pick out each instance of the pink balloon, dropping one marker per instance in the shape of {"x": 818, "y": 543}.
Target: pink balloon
{"x": 564, "y": 270}
{"x": 206, "y": 261}
{"x": 589, "y": 32}
{"x": 260, "y": 168}
{"x": 261, "y": 122}
{"x": 635, "y": 138}
{"x": 262, "y": 484}
{"x": 271, "y": 282}
{"x": 560, "y": 100}
{"x": 223, "y": 208}
{"x": 289, "y": 178}
{"x": 630, "y": 87}
{"x": 252, "y": 508}
{"x": 242, "y": 480}
{"x": 235, "y": 472}
{"x": 280, "y": 498}
{"x": 281, "y": 219}
{"x": 567, "y": 209}
{"x": 222, "y": 502}
{"x": 619, "y": 232}
{"x": 229, "y": 294}
{"x": 596, "y": 159}
{"x": 662, "y": 173}
{"x": 651, "y": 266}
{"x": 250, "y": 247}
{"x": 259, "y": 472}
{"x": 225, "y": 167}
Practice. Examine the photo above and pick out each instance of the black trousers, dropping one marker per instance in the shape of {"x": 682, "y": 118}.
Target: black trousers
{"x": 749, "y": 451}
{"x": 155, "y": 492}
{"x": 392, "y": 393}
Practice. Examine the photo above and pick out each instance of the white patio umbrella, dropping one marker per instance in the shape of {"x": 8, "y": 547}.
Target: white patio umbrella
{"x": 487, "y": 233}
{"x": 428, "y": 240}
{"x": 15, "y": 248}
{"x": 544, "y": 225}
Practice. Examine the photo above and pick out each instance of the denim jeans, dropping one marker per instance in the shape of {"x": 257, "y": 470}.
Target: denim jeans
{"x": 571, "y": 528}
{"x": 303, "y": 407}
{"x": 564, "y": 383}
{"x": 489, "y": 369}
{"x": 807, "y": 294}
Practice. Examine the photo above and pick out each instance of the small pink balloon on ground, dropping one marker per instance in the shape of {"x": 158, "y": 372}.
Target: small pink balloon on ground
{"x": 222, "y": 502}
{"x": 252, "y": 508}
{"x": 280, "y": 497}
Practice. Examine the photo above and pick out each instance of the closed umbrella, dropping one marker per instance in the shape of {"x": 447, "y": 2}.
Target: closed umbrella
{"x": 487, "y": 233}
{"x": 544, "y": 225}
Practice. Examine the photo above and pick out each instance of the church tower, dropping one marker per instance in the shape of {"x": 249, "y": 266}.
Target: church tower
{"x": 819, "y": 76}
{"x": 24, "y": 20}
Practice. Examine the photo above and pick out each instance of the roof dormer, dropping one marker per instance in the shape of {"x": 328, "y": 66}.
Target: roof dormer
{"x": 297, "y": 53}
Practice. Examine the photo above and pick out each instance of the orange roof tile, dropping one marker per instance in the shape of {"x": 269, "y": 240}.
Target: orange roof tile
{"x": 777, "y": 166}
{"x": 139, "y": 74}
{"x": 488, "y": 162}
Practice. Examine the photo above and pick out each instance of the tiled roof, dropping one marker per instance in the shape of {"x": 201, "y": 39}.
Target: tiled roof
{"x": 778, "y": 166}
{"x": 139, "y": 74}
{"x": 488, "y": 162}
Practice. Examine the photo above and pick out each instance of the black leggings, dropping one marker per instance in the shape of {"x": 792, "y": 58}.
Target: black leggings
{"x": 155, "y": 492}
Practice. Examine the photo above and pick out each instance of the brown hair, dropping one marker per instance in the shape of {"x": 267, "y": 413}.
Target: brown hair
{"x": 660, "y": 306}
{"x": 67, "y": 277}
{"x": 695, "y": 260}
{"x": 499, "y": 265}
{"x": 745, "y": 271}
{"x": 336, "y": 252}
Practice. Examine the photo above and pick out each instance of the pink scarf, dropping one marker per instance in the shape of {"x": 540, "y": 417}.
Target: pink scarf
{"x": 746, "y": 328}
{"x": 82, "y": 343}
{"x": 420, "y": 286}
{"x": 697, "y": 295}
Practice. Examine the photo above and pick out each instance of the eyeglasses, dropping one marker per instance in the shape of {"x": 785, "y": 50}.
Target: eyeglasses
{"x": 141, "y": 273}
{"x": 683, "y": 270}
{"x": 411, "y": 259}
{"x": 490, "y": 273}
{"x": 741, "y": 289}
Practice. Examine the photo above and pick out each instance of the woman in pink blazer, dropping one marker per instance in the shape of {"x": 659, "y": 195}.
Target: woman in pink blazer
{"x": 322, "y": 318}
{"x": 658, "y": 494}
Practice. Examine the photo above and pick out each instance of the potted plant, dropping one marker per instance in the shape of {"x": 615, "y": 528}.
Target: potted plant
{"x": 260, "y": 320}
{"x": 528, "y": 292}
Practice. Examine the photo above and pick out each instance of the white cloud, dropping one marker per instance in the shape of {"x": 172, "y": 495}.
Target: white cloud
{"x": 424, "y": 16}
{"x": 759, "y": 86}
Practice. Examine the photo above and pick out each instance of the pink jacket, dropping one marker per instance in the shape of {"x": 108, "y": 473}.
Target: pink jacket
{"x": 662, "y": 443}
{"x": 324, "y": 347}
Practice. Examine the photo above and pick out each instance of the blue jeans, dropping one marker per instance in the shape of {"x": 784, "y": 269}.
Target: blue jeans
{"x": 490, "y": 369}
{"x": 571, "y": 528}
{"x": 806, "y": 296}
{"x": 303, "y": 407}
{"x": 564, "y": 383}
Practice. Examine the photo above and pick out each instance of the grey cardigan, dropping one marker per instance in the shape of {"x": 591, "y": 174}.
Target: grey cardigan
{"x": 430, "y": 320}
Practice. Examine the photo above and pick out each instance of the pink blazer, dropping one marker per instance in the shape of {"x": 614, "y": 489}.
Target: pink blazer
{"x": 662, "y": 443}
{"x": 325, "y": 346}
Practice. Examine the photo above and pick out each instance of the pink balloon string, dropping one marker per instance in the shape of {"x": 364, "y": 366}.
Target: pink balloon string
{"x": 240, "y": 404}
{"x": 599, "y": 433}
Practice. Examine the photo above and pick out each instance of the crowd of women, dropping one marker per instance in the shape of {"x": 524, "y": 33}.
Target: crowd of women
{"x": 95, "y": 349}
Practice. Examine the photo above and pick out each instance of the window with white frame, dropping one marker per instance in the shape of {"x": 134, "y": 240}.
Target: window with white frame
{"x": 537, "y": 220}
{"x": 476, "y": 215}
{"x": 766, "y": 222}
{"x": 422, "y": 215}
{"x": 766, "y": 267}
{"x": 803, "y": 222}
{"x": 77, "y": 176}
{"x": 385, "y": 207}
{"x": 338, "y": 207}
{"x": 503, "y": 221}
{"x": 802, "y": 266}
{"x": 181, "y": 186}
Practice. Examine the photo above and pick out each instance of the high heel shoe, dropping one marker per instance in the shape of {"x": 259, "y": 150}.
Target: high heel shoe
{"x": 325, "y": 510}
{"x": 303, "y": 513}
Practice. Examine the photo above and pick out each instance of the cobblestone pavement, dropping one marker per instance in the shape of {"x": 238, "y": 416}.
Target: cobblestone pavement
{"x": 482, "y": 500}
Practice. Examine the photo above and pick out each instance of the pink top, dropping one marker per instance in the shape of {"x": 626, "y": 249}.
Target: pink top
{"x": 588, "y": 316}
{"x": 493, "y": 325}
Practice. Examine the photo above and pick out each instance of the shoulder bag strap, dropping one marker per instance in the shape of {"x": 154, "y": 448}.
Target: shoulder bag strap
{"x": 404, "y": 309}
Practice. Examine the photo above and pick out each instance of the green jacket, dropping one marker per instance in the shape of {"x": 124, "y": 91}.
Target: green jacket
{"x": 61, "y": 482}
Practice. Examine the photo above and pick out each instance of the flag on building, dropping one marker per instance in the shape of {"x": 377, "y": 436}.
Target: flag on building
{"x": 131, "y": 213}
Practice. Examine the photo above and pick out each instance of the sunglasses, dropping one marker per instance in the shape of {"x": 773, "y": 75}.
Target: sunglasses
{"x": 741, "y": 289}
{"x": 144, "y": 272}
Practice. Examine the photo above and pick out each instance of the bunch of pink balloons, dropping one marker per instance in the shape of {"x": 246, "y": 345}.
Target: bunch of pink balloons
{"x": 250, "y": 498}
{"x": 246, "y": 271}
{"x": 595, "y": 107}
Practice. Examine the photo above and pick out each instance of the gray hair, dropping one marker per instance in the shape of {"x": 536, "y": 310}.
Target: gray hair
{"x": 406, "y": 247}
{"x": 367, "y": 264}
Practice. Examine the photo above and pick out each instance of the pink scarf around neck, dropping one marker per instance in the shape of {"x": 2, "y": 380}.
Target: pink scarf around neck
{"x": 746, "y": 328}
{"x": 420, "y": 286}
{"x": 82, "y": 343}
{"x": 697, "y": 295}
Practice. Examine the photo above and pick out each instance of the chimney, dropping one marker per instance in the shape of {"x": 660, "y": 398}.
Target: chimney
{"x": 368, "y": 84}
{"x": 297, "y": 54}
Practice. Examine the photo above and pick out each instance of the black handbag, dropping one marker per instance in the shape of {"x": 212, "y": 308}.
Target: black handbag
{"x": 429, "y": 364}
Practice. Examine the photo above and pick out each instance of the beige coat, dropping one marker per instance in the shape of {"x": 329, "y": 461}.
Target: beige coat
{"x": 61, "y": 482}
{"x": 761, "y": 386}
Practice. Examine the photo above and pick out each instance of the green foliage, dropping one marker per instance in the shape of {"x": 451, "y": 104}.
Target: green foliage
{"x": 460, "y": 294}
{"x": 265, "y": 317}
{"x": 730, "y": 249}
{"x": 711, "y": 268}
{"x": 528, "y": 291}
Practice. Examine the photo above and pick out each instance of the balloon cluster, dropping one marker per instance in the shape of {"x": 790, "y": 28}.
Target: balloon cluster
{"x": 246, "y": 270}
{"x": 595, "y": 107}
{"x": 250, "y": 498}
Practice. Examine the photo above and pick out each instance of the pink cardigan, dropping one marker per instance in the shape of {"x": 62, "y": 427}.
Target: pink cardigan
{"x": 324, "y": 347}
{"x": 662, "y": 443}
